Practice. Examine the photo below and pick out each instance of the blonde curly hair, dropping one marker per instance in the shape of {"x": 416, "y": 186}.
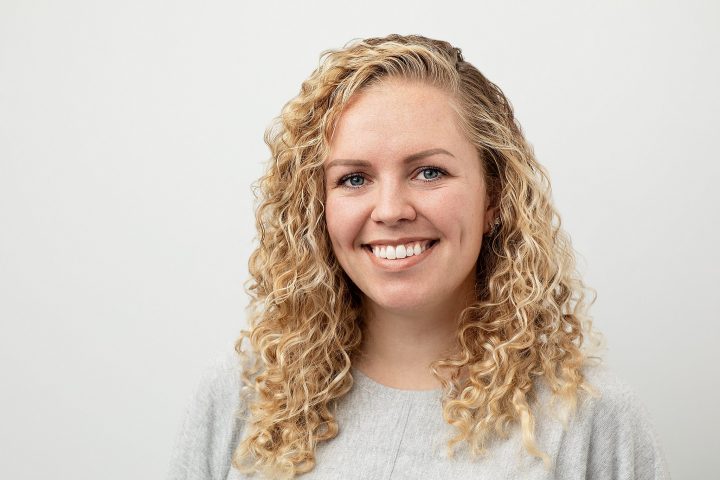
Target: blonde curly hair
{"x": 529, "y": 319}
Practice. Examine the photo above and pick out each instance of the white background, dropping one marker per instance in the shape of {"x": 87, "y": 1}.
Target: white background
{"x": 130, "y": 133}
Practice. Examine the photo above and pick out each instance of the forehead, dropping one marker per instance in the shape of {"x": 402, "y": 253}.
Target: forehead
{"x": 394, "y": 117}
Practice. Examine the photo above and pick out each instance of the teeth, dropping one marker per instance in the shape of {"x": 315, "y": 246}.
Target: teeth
{"x": 391, "y": 252}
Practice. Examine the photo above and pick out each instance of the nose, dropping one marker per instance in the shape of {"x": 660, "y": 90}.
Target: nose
{"x": 392, "y": 205}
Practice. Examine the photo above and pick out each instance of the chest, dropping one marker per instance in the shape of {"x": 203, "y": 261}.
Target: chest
{"x": 406, "y": 438}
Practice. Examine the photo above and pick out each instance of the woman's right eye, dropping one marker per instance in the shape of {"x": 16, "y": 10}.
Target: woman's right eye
{"x": 353, "y": 180}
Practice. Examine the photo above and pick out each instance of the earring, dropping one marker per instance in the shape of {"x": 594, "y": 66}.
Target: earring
{"x": 493, "y": 227}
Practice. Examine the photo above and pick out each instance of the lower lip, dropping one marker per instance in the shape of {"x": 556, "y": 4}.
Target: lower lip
{"x": 402, "y": 263}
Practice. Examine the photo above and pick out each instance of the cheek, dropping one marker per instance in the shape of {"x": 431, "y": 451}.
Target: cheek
{"x": 460, "y": 215}
{"x": 343, "y": 221}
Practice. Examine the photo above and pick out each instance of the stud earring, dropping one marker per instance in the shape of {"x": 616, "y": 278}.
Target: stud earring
{"x": 493, "y": 227}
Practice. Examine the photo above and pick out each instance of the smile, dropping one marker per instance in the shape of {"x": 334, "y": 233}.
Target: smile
{"x": 401, "y": 257}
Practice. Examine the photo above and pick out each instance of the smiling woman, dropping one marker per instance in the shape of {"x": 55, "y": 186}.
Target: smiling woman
{"x": 412, "y": 289}
{"x": 406, "y": 130}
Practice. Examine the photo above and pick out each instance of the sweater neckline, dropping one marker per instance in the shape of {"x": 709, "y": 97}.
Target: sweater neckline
{"x": 376, "y": 388}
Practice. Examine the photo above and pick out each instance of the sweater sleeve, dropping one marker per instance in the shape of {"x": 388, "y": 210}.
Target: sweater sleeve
{"x": 616, "y": 438}
{"x": 211, "y": 427}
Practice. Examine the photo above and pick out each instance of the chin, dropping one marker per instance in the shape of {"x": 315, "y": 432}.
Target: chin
{"x": 400, "y": 302}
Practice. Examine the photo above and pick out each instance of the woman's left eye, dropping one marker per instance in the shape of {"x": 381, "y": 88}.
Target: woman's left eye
{"x": 434, "y": 173}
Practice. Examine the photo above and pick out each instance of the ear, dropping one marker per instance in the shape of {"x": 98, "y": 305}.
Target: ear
{"x": 491, "y": 213}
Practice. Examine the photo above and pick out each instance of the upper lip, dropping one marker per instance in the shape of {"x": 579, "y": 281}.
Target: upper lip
{"x": 396, "y": 241}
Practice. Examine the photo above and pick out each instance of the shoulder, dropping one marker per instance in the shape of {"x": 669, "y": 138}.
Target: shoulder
{"x": 610, "y": 395}
{"x": 613, "y": 432}
{"x": 618, "y": 405}
{"x": 615, "y": 394}
{"x": 220, "y": 381}
{"x": 213, "y": 420}
{"x": 217, "y": 395}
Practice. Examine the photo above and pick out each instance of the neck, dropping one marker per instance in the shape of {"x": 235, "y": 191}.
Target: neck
{"x": 399, "y": 345}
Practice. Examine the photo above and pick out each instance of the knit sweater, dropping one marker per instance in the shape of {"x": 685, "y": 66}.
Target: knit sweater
{"x": 388, "y": 433}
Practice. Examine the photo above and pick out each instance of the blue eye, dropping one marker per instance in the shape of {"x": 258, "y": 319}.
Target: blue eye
{"x": 353, "y": 178}
{"x": 434, "y": 170}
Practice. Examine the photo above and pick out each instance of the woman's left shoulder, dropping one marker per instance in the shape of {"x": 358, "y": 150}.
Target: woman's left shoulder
{"x": 615, "y": 430}
{"x": 614, "y": 394}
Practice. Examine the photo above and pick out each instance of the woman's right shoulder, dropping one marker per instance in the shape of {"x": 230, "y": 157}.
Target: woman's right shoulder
{"x": 221, "y": 377}
{"x": 214, "y": 419}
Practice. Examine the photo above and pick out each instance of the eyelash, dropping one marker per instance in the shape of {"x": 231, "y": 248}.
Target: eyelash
{"x": 345, "y": 178}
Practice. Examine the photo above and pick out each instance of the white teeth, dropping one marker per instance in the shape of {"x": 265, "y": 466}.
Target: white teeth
{"x": 392, "y": 252}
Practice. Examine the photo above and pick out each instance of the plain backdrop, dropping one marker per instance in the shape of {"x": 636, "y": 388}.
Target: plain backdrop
{"x": 130, "y": 133}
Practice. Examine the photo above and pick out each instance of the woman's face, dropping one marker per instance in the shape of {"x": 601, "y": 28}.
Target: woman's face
{"x": 400, "y": 175}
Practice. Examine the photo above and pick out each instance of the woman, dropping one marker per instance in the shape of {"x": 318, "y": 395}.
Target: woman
{"x": 416, "y": 311}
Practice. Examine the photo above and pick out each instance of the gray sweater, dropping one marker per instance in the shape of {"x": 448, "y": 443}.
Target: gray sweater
{"x": 386, "y": 433}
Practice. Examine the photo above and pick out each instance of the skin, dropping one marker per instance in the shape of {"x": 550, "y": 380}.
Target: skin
{"x": 410, "y": 313}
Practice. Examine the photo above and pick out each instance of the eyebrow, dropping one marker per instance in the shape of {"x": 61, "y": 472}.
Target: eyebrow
{"x": 409, "y": 159}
